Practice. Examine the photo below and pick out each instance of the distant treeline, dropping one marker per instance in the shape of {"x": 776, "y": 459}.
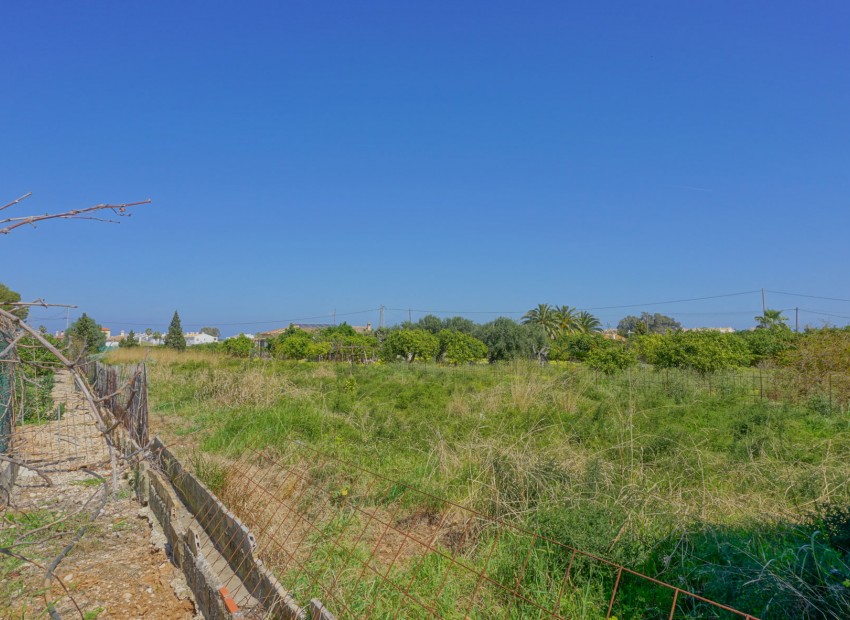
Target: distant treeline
{"x": 550, "y": 334}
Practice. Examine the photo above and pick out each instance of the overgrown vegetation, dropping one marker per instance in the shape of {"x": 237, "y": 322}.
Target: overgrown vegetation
{"x": 690, "y": 476}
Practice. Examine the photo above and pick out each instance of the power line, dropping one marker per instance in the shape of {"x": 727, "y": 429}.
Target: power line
{"x": 641, "y": 305}
{"x": 837, "y": 316}
{"x": 809, "y": 296}
{"x": 672, "y": 301}
{"x": 214, "y": 324}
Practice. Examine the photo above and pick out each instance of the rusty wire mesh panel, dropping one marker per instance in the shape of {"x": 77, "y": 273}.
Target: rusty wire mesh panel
{"x": 124, "y": 393}
{"x": 370, "y": 547}
{"x": 51, "y": 426}
{"x": 54, "y": 473}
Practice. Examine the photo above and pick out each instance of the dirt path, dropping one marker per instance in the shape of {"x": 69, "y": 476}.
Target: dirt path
{"x": 118, "y": 569}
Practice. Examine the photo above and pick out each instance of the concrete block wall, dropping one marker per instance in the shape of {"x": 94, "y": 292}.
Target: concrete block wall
{"x": 210, "y": 544}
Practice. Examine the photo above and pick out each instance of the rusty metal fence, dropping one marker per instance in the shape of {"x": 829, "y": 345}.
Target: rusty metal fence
{"x": 369, "y": 546}
{"x": 123, "y": 391}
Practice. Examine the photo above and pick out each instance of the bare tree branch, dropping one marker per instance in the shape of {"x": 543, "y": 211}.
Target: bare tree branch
{"x": 16, "y": 201}
{"x": 119, "y": 210}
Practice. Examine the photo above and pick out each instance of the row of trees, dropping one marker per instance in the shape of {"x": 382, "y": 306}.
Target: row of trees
{"x": 557, "y": 333}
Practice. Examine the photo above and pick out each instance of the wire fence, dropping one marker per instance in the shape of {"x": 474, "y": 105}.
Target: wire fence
{"x": 123, "y": 391}
{"x": 60, "y": 457}
{"x": 369, "y": 546}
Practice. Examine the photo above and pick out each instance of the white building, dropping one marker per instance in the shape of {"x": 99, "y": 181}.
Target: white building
{"x": 193, "y": 338}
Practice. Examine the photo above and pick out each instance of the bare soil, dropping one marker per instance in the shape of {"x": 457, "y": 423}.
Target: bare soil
{"x": 118, "y": 569}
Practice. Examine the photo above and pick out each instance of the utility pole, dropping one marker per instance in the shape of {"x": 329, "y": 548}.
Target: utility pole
{"x": 409, "y": 315}
{"x": 381, "y": 321}
{"x": 796, "y": 320}
{"x": 334, "y": 316}
{"x": 763, "y": 306}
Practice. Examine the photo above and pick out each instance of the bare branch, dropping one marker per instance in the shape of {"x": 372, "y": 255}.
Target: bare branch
{"x": 40, "y": 473}
{"x": 119, "y": 210}
{"x": 14, "y": 202}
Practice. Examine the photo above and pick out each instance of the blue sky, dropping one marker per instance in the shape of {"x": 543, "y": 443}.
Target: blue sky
{"x": 464, "y": 156}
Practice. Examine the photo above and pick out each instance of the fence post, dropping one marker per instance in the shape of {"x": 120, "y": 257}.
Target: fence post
{"x": 761, "y": 385}
{"x": 830, "y": 392}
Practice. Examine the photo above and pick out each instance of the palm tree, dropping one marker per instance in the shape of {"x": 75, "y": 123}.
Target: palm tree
{"x": 544, "y": 316}
{"x": 586, "y": 323}
{"x": 771, "y": 318}
{"x": 566, "y": 317}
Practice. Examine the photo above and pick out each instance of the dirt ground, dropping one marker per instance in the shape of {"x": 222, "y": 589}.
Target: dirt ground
{"x": 118, "y": 569}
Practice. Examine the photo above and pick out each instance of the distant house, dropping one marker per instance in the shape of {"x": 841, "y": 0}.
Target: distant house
{"x": 144, "y": 339}
{"x": 107, "y": 332}
{"x": 112, "y": 341}
{"x": 193, "y": 338}
{"x": 611, "y": 334}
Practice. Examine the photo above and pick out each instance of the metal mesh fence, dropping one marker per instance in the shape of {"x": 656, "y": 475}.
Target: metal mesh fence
{"x": 371, "y": 547}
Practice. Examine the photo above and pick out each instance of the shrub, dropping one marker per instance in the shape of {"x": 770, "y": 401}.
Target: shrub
{"x": 703, "y": 351}
{"x": 506, "y": 339}
{"x": 241, "y": 346}
{"x": 820, "y": 364}
{"x": 460, "y": 348}
{"x": 768, "y": 344}
{"x": 293, "y": 344}
{"x": 409, "y": 345}
{"x": 611, "y": 358}
{"x": 575, "y": 347}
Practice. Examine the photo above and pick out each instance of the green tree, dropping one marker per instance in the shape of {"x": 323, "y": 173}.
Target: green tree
{"x": 292, "y": 344}
{"x": 460, "y": 324}
{"x": 768, "y": 344}
{"x": 431, "y": 323}
{"x": 575, "y": 347}
{"x": 175, "y": 339}
{"x": 546, "y": 317}
{"x": 507, "y": 340}
{"x": 343, "y": 329}
{"x": 565, "y": 317}
{"x": 240, "y": 346}
{"x": 8, "y": 295}
{"x": 647, "y": 323}
{"x": 460, "y": 348}
{"x": 586, "y": 323}
{"x": 646, "y": 346}
{"x": 770, "y": 319}
{"x": 84, "y": 336}
{"x": 703, "y": 351}
{"x": 215, "y": 332}
{"x": 129, "y": 341}
{"x": 611, "y": 358}
{"x": 410, "y": 345}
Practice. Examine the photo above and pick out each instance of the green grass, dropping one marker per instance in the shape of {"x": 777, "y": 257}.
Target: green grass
{"x": 694, "y": 479}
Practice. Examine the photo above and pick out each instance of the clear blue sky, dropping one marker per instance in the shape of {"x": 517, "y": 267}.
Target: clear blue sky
{"x": 472, "y": 156}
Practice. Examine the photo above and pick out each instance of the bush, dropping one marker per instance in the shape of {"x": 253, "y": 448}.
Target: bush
{"x": 410, "y": 345}
{"x": 241, "y": 346}
{"x": 703, "y": 351}
{"x": 506, "y": 339}
{"x": 611, "y": 358}
{"x": 820, "y": 364}
{"x": 575, "y": 347}
{"x": 768, "y": 344}
{"x": 460, "y": 348}
{"x": 293, "y": 344}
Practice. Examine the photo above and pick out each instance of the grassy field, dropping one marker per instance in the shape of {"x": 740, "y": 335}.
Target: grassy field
{"x": 701, "y": 484}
